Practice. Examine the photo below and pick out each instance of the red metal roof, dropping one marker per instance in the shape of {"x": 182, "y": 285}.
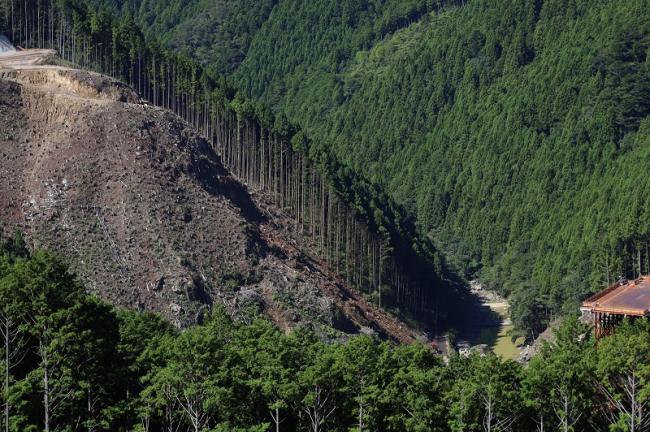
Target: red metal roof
{"x": 631, "y": 298}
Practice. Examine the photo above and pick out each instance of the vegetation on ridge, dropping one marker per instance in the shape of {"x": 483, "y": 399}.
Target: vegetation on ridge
{"x": 513, "y": 131}
{"x": 216, "y": 32}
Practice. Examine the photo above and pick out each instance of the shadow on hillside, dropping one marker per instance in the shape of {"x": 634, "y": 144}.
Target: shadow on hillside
{"x": 216, "y": 180}
{"x": 482, "y": 325}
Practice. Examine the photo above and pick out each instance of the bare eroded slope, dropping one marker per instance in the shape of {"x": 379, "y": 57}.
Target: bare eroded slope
{"x": 144, "y": 210}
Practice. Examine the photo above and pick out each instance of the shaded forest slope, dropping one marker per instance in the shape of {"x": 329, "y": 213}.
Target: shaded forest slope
{"x": 145, "y": 212}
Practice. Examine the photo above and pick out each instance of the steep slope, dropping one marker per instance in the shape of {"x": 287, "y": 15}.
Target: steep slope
{"x": 502, "y": 126}
{"x": 305, "y": 44}
{"x": 145, "y": 211}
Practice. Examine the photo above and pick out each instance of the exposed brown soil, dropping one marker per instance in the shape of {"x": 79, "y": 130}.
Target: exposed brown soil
{"x": 145, "y": 212}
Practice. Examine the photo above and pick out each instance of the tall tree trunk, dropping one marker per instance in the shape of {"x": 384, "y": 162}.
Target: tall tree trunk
{"x": 46, "y": 387}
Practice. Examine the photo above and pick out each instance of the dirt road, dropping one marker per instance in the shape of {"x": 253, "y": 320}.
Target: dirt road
{"x": 28, "y": 59}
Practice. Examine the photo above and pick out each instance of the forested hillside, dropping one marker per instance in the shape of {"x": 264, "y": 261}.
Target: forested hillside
{"x": 70, "y": 362}
{"x": 514, "y": 131}
{"x": 216, "y": 32}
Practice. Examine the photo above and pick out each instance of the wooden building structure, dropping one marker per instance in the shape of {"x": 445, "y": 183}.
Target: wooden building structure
{"x": 623, "y": 299}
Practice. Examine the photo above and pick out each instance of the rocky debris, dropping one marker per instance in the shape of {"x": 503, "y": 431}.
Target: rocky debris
{"x": 175, "y": 308}
{"x": 464, "y": 348}
{"x": 485, "y": 295}
{"x": 531, "y": 350}
{"x": 160, "y": 284}
{"x": 249, "y": 304}
{"x": 480, "y": 349}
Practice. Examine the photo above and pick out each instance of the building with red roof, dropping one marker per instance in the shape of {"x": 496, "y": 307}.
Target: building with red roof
{"x": 623, "y": 299}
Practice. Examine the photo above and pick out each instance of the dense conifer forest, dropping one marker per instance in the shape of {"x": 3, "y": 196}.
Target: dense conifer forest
{"x": 512, "y": 132}
{"x": 217, "y": 32}
{"x": 72, "y": 363}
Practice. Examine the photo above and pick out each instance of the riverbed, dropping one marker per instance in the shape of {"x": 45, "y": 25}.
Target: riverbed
{"x": 489, "y": 324}
{"x": 497, "y": 335}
